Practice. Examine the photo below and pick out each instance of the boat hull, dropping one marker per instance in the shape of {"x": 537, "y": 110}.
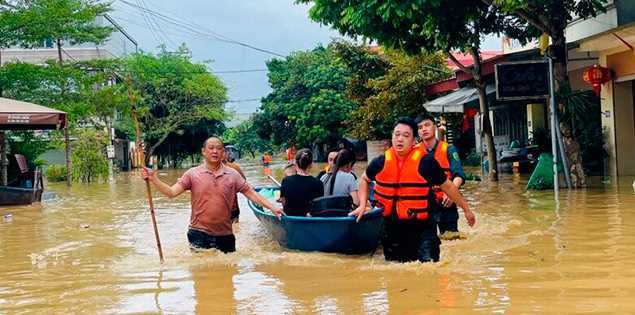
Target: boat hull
{"x": 324, "y": 234}
{"x": 12, "y": 196}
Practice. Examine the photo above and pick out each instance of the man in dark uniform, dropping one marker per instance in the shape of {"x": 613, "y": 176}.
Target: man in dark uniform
{"x": 404, "y": 177}
{"x": 448, "y": 158}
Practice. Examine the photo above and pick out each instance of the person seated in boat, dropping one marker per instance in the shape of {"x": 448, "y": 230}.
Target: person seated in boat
{"x": 214, "y": 186}
{"x": 297, "y": 191}
{"x": 404, "y": 176}
{"x": 330, "y": 164}
{"x": 340, "y": 181}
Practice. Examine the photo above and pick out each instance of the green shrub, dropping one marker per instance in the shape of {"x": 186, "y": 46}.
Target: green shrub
{"x": 56, "y": 173}
{"x": 88, "y": 157}
{"x": 473, "y": 159}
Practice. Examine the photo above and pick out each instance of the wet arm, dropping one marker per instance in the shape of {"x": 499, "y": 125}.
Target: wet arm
{"x": 167, "y": 190}
{"x": 259, "y": 199}
{"x": 454, "y": 194}
{"x": 355, "y": 195}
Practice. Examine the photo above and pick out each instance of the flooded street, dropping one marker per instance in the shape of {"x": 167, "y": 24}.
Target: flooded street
{"x": 92, "y": 250}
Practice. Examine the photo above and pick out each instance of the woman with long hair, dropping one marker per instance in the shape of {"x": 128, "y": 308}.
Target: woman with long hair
{"x": 341, "y": 180}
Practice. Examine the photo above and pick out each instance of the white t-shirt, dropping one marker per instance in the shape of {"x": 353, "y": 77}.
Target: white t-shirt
{"x": 345, "y": 183}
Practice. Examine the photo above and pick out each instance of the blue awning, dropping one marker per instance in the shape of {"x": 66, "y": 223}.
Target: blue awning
{"x": 455, "y": 101}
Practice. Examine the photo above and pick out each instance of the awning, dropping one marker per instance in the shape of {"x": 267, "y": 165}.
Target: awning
{"x": 20, "y": 115}
{"x": 455, "y": 101}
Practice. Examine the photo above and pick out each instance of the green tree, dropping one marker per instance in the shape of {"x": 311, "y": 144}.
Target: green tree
{"x": 551, "y": 17}
{"x": 308, "y": 103}
{"x": 430, "y": 25}
{"x": 64, "y": 21}
{"x": 387, "y": 84}
{"x": 173, "y": 93}
{"x": 187, "y": 141}
{"x": 246, "y": 139}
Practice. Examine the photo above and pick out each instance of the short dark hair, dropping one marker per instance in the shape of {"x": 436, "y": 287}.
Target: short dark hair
{"x": 210, "y": 138}
{"x": 408, "y": 122}
{"x": 425, "y": 116}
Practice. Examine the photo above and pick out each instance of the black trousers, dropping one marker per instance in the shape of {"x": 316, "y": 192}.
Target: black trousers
{"x": 448, "y": 219}
{"x": 411, "y": 240}
{"x": 201, "y": 240}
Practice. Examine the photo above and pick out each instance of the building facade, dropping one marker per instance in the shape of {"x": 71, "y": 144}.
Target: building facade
{"x": 119, "y": 44}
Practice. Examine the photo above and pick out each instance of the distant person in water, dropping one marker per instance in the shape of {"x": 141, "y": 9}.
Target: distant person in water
{"x": 340, "y": 181}
{"x": 230, "y": 162}
{"x": 266, "y": 159}
{"x": 214, "y": 186}
{"x": 291, "y": 153}
{"x": 297, "y": 191}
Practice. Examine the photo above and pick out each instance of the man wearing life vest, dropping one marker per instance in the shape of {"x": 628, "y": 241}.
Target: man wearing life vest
{"x": 404, "y": 177}
{"x": 448, "y": 158}
{"x": 266, "y": 159}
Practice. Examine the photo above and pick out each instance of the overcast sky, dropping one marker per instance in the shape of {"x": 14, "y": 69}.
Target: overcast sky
{"x": 278, "y": 26}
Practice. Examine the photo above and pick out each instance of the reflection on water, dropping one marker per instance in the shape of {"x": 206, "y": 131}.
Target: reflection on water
{"x": 91, "y": 249}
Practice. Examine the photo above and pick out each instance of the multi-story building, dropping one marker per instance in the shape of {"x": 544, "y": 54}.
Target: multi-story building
{"x": 119, "y": 44}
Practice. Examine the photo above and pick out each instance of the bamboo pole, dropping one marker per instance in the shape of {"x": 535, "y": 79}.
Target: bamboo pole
{"x": 143, "y": 164}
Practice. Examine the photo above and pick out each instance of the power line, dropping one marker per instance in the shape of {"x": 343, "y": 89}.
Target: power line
{"x": 156, "y": 23}
{"x": 195, "y": 28}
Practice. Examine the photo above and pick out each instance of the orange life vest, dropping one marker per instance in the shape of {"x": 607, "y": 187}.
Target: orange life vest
{"x": 266, "y": 159}
{"x": 402, "y": 190}
{"x": 441, "y": 155}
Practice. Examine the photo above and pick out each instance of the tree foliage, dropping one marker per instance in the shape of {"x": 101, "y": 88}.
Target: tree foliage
{"x": 551, "y": 17}
{"x": 245, "y": 137}
{"x": 64, "y": 21}
{"x": 387, "y": 84}
{"x": 89, "y": 158}
{"x": 173, "y": 93}
{"x": 429, "y": 25}
{"x": 308, "y": 103}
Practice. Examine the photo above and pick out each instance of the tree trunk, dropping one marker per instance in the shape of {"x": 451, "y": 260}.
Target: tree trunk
{"x": 484, "y": 109}
{"x": 67, "y": 142}
{"x": 558, "y": 52}
{"x": 59, "y": 51}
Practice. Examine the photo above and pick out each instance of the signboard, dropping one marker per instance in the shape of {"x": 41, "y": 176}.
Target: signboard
{"x": 110, "y": 151}
{"x": 522, "y": 80}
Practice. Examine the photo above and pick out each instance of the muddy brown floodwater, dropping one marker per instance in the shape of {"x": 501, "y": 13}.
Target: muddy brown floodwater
{"x": 92, "y": 250}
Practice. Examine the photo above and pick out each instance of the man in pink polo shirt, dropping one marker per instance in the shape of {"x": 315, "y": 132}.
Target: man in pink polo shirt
{"x": 214, "y": 186}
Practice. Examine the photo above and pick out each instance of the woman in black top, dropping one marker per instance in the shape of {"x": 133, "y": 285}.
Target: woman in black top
{"x": 297, "y": 191}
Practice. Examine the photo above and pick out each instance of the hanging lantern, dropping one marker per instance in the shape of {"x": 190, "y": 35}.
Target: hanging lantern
{"x": 596, "y": 76}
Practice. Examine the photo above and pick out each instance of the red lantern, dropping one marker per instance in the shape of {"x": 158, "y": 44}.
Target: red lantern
{"x": 596, "y": 76}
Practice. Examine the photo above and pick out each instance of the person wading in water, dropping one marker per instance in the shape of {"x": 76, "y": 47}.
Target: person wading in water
{"x": 214, "y": 186}
{"x": 448, "y": 158}
{"x": 404, "y": 177}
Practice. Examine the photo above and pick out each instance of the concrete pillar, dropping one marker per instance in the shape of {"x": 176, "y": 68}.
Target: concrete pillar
{"x": 608, "y": 121}
{"x": 624, "y": 128}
